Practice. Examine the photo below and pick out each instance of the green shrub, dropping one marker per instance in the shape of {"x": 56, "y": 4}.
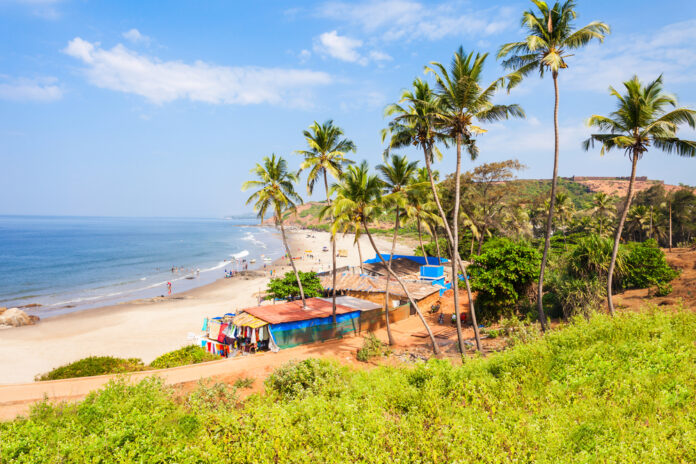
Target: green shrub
{"x": 580, "y": 297}
{"x": 663, "y": 289}
{"x": 286, "y": 287}
{"x": 94, "y": 365}
{"x": 503, "y": 275}
{"x": 244, "y": 382}
{"x": 304, "y": 377}
{"x": 190, "y": 354}
{"x": 372, "y": 348}
{"x": 647, "y": 266}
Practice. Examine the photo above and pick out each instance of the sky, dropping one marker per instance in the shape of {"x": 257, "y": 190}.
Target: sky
{"x": 144, "y": 108}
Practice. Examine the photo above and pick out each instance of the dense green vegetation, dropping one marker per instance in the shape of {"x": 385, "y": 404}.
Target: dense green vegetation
{"x": 503, "y": 275}
{"x": 286, "y": 287}
{"x": 101, "y": 365}
{"x": 190, "y": 354}
{"x": 94, "y": 365}
{"x": 610, "y": 390}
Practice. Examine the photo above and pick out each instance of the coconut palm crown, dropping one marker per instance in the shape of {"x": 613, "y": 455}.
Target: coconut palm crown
{"x": 276, "y": 189}
{"x": 551, "y": 37}
{"x": 326, "y": 154}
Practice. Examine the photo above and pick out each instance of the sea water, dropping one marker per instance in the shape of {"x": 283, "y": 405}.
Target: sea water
{"x": 67, "y": 264}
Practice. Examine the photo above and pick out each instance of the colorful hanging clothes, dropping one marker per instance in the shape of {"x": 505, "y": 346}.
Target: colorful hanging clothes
{"x": 221, "y": 334}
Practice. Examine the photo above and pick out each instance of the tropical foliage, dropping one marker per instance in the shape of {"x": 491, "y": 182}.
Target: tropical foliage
{"x": 286, "y": 288}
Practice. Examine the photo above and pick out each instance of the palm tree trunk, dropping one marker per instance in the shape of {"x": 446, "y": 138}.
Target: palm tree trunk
{"x": 420, "y": 239}
{"x": 292, "y": 261}
{"x": 333, "y": 253}
{"x": 619, "y": 228}
{"x": 455, "y": 242}
{"x": 389, "y": 272}
{"x": 436, "y": 350}
{"x": 357, "y": 240}
{"x": 455, "y": 255}
{"x": 670, "y": 225}
{"x": 437, "y": 246}
{"x": 552, "y": 202}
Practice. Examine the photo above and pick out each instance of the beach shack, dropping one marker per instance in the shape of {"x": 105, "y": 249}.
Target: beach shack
{"x": 290, "y": 324}
{"x": 373, "y": 288}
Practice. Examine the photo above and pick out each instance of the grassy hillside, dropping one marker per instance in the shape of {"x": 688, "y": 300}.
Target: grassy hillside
{"x": 531, "y": 188}
{"x": 608, "y": 390}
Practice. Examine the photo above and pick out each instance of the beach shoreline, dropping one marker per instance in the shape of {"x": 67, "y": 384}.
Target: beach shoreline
{"x": 147, "y": 328}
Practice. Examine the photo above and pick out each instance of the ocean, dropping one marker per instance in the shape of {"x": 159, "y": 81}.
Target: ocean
{"x": 67, "y": 264}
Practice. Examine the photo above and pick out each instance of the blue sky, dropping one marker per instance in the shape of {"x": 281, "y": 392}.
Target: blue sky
{"x": 134, "y": 108}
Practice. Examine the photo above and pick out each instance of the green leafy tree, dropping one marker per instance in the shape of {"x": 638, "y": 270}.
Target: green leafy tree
{"x": 551, "y": 38}
{"x": 503, "y": 274}
{"x": 641, "y": 120}
{"x": 276, "y": 192}
{"x": 326, "y": 155}
{"x": 287, "y": 288}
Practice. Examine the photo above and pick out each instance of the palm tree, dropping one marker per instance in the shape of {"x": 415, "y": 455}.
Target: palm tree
{"x": 638, "y": 221}
{"x": 461, "y": 102}
{"x": 397, "y": 176}
{"x": 276, "y": 191}
{"x": 419, "y": 206}
{"x": 603, "y": 208}
{"x": 326, "y": 155}
{"x": 565, "y": 210}
{"x": 641, "y": 119}
{"x": 358, "y": 196}
{"x": 551, "y": 38}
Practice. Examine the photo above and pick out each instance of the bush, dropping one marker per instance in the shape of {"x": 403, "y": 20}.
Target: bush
{"x": 94, "y": 365}
{"x": 305, "y": 377}
{"x": 502, "y": 275}
{"x": 372, "y": 348}
{"x": 663, "y": 289}
{"x": 647, "y": 266}
{"x": 190, "y": 354}
{"x": 286, "y": 287}
{"x": 580, "y": 297}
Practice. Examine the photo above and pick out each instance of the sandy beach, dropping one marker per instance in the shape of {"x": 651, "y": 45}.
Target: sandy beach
{"x": 148, "y": 328}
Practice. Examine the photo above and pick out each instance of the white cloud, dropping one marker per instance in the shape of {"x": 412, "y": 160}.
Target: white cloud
{"x": 45, "y": 9}
{"x": 346, "y": 49}
{"x": 135, "y": 36}
{"x": 340, "y": 47}
{"x": 669, "y": 51}
{"x": 159, "y": 81}
{"x": 376, "y": 55}
{"x": 304, "y": 55}
{"x": 39, "y": 90}
{"x": 412, "y": 20}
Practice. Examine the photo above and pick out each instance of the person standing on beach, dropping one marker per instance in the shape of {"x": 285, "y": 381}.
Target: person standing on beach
{"x": 169, "y": 288}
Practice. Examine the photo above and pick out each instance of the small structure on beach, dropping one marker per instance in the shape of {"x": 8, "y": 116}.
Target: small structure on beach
{"x": 374, "y": 289}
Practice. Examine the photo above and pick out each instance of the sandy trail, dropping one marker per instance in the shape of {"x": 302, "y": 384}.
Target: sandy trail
{"x": 148, "y": 328}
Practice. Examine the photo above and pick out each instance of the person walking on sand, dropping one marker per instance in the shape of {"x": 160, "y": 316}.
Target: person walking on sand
{"x": 169, "y": 288}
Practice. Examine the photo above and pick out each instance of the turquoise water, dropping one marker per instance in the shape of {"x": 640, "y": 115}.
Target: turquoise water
{"x": 71, "y": 263}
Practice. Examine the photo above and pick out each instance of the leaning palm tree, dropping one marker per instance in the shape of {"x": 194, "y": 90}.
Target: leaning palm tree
{"x": 358, "y": 195}
{"x": 551, "y": 36}
{"x": 645, "y": 116}
{"x": 326, "y": 155}
{"x": 461, "y": 102}
{"x": 397, "y": 174}
{"x": 276, "y": 191}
